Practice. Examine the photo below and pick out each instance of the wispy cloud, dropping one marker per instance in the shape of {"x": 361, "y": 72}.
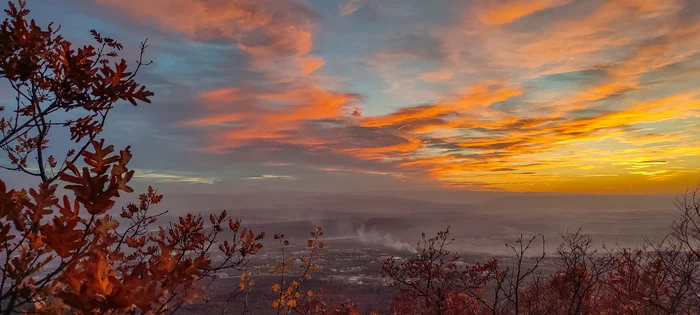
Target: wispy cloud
{"x": 349, "y": 7}
{"x": 268, "y": 176}
{"x": 174, "y": 177}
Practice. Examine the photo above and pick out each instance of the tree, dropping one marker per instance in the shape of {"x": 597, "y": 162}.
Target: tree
{"x": 432, "y": 281}
{"x": 577, "y": 285}
{"x": 68, "y": 253}
{"x": 48, "y": 76}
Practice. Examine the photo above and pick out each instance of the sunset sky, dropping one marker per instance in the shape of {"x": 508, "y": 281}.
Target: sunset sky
{"x": 588, "y": 96}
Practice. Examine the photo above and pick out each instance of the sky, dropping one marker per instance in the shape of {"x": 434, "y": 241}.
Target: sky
{"x": 564, "y": 96}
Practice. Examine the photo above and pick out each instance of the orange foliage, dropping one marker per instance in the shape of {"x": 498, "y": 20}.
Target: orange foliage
{"x": 78, "y": 259}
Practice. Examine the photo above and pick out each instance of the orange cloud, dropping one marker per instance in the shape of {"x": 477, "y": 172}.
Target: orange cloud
{"x": 401, "y": 150}
{"x": 269, "y": 115}
{"x": 587, "y": 37}
{"x": 504, "y": 12}
{"x": 213, "y": 120}
{"x": 311, "y": 64}
{"x": 278, "y": 35}
{"x": 225, "y": 94}
{"x": 478, "y": 98}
